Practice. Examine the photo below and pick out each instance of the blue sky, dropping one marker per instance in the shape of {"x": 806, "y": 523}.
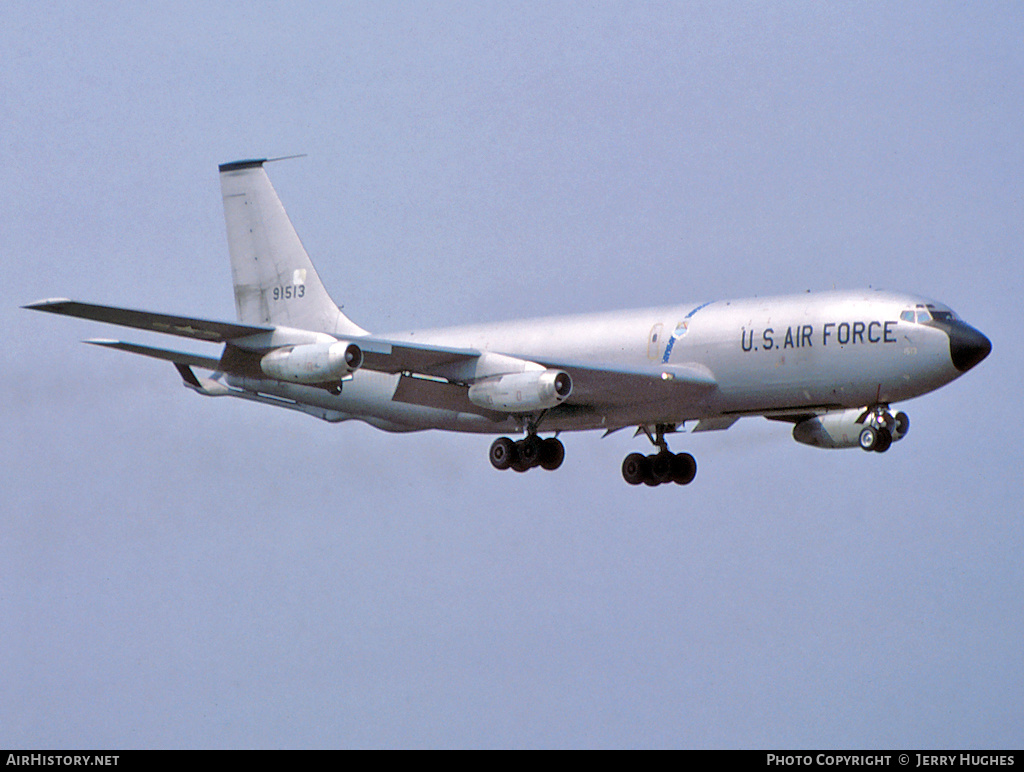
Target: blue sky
{"x": 180, "y": 572}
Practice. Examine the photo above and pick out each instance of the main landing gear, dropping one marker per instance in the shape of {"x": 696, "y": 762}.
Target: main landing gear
{"x": 527, "y": 453}
{"x": 655, "y": 469}
{"x": 661, "y": 467}
{"x": 881, "y": 429}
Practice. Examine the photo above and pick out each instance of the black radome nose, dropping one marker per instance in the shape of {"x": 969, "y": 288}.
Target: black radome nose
{"x": 967, "y": 346}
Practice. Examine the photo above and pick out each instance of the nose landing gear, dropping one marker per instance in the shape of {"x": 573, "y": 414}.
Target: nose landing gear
{"x": 882, "y": 429}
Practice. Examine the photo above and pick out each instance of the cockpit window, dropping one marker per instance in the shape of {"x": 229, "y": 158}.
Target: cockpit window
{"x": 926, "y": 313}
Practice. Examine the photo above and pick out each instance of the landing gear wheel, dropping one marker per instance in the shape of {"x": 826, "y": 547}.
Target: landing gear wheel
{"x": 661, "y": 467}
{"x": 528, "y": 453}
{"x": 635, "y": 468}
{"x": 868, "y": 438}
{"x": 552, "y": 453}
{"x": 521, "y": 464}
{"x": 503, "y": 453}
{"x": 882, "y": 441}
{"x": 529, "y": 449}
{"x": 684, "y": 468}
{"x": 902, "y": 425}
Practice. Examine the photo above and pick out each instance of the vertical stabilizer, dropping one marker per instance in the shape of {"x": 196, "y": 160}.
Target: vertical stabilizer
{"x": 275, "y": 281}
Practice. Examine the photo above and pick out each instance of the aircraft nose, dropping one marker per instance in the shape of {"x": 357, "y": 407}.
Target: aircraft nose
{"x": 967, "y": 346}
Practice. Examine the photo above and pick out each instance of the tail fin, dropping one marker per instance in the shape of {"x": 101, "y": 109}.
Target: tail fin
{"x": 275, "y": 281}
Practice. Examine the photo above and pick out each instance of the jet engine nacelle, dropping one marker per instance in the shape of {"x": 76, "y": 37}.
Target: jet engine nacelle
{"x": 523, "y": 392}
{"x": 842, "y": 428}
{"x": 313, "y": 362}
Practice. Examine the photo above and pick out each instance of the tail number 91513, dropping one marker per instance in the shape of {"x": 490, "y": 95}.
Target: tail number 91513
{"x": 289, "y": 292}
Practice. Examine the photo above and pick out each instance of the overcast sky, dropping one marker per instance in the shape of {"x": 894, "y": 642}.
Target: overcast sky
{"x": 187, "y": 572}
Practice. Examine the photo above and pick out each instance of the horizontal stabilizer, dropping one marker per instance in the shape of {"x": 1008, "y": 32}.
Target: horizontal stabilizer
{"x": 178, "y": 357}
{"x": 183, "y": 326}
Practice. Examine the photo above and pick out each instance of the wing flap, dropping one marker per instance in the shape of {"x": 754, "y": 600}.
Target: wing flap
{"x": 439, "y": 394}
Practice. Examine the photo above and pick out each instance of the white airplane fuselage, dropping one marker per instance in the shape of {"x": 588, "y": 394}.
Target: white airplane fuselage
{"x": 828, "y": 350}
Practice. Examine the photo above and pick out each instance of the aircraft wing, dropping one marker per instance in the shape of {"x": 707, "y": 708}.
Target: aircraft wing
{"x": 379, "y": 353}
{"x": 594, "y": 385}
{"x": 184, "y": 326}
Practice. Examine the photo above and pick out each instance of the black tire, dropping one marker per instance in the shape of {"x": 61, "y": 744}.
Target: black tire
{"x": 503, "y": 453}
{"x": 650, "y": 480}
{"x": 635, "y": 468}
{"x": 868, "y": 438}
{"x": 521, "y": 465}
{"x": 902, "y": 425}
{"x": 528, "y": 453}
{"x": 529, "y": 449}
{"x": 883, "y": 441}
{"x": 661, "y": 467}
{"x": 684, "y": 468}
{"x": 552, "y": 453}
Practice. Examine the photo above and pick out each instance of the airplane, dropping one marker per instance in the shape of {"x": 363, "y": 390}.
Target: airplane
{"x": 829, "y": 363}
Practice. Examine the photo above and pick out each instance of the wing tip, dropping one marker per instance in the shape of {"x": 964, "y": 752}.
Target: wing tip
{"x": 46, "y": 304}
